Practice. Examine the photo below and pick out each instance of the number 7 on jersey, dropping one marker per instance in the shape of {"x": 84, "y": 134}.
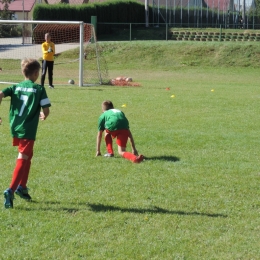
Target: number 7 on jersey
{"x": 24, "y": 98}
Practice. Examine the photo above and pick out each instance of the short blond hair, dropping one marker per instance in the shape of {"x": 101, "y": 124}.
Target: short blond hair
{"x": 29, "y": 66}
{"x": 47, "y": 35}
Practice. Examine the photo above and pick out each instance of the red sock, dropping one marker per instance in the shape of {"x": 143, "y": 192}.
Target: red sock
{"x": 25, "y": 176}
{"x": 129, "y": 156}
{"x": 109, "y": 143}
{"x": 18, "y": 173}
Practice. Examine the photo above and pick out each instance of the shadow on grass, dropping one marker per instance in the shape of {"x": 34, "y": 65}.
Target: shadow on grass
{"x": 50, "y": 206}
{"x": 156, "y": 210}
{"x": 107, "y": 208}
{"x": 164, "y": 158}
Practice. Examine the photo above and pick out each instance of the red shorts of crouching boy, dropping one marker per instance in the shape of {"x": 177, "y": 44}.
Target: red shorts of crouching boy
{"x": 120, "y": 135}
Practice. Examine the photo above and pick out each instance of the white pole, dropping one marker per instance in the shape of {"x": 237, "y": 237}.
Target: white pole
{"x": 181, "y": 12}
{"x": 218, "y": 13}
{"x": 207, "y": 14}
{"x": 170, "y": 12}
{"x": 166, "y": 11}
{"x": 188, "y": 13}
{"x": 81, "y": 54}
{"x": 23, "y": 19}
{"x": 244, "y": 14}
{"x": 201, "y": 13}
{"x": 158, "y": 12}
{"x": 174, "y": 12}
{"x": 23, "y": 9}
{"x": 41, "y": 22}
{"x": 213, "y": 11}
{"x": 146, "y": 13}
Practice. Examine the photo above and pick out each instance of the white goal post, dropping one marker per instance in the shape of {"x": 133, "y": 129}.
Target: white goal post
{"x": 77, "y": 53}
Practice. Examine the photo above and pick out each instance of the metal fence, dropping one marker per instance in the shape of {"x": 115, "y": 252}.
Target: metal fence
{"x": 165, "y": 31}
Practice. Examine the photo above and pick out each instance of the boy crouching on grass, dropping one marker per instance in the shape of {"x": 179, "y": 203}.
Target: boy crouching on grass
{"x": 27, "y": 99}
{"x": 115, "y": 124}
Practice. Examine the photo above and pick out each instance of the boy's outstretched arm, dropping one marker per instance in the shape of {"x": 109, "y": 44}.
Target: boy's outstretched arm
{"x": 99, "y": 137}
{"x": 131, "y": 139}
{"x": 1, "y": 96}
{"x": 44, "y": 114}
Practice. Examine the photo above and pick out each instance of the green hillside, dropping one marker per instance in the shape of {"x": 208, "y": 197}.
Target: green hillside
{"x": 168, "y": 55}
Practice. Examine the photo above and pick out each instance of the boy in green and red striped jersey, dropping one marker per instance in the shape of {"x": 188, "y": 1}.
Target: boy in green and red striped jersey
{"x": 27, "y": 100}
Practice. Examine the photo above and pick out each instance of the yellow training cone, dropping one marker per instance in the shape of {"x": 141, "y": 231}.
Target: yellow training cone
{"x": 172, "y": 96}
{"x": 212, "y": 90}
{"x": 124, "y": 105}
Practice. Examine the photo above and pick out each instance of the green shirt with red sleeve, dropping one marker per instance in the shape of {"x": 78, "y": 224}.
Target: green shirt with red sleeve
{"x": 27, "y": 99}
{"x": 112, "y": 119}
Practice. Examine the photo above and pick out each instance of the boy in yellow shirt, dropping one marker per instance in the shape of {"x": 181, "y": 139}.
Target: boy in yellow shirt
{"x": 48, "y": 52}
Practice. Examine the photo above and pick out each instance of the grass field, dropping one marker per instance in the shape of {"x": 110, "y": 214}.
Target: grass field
{"x": 196, "y": 196}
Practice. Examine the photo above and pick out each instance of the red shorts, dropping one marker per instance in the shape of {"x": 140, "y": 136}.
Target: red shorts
{"x": 120, "y": 135}
{"x": 25, "y": 146}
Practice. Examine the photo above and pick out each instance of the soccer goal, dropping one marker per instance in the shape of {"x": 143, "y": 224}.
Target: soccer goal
{"x": 78, "y": 56}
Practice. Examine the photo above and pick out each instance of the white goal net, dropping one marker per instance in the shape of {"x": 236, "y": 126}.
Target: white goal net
{"x": 78, "y": 56}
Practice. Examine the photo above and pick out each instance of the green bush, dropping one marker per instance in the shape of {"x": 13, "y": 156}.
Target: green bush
{"x": 108, "y": 12}
{"x": 111, "y": 11}
{"x": 16, "y": 31}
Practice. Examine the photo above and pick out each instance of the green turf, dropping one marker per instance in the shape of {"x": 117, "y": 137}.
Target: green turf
{"x": 196, "y": 196}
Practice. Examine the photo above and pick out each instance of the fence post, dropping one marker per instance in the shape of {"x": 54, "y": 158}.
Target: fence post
{"x": 94, "y": 22}
{"x": 130, "y": 32}
{"x": 166, "y": 31}
{"x": 220, "y": 35}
